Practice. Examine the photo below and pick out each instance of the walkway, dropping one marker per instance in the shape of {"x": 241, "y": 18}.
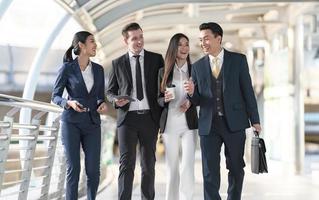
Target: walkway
{"x": 277, "y": 185}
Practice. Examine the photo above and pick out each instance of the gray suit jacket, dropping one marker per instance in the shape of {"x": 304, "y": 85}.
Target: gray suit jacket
{"x": 240, "y": 104}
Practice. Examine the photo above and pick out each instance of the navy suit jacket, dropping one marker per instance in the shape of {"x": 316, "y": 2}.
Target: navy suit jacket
{"x": 70, "y": 77}
{"x": 240, "y": 104}
{"x": 120, "y": 83}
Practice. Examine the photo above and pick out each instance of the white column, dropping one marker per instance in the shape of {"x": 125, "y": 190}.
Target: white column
{"x": 298, "y": 65}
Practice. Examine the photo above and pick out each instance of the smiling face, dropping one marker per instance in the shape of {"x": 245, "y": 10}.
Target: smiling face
{"x": 134, "y": 41}
{"x": 89, "y": 47}
{"x": 210, "y": 43}
{"x": 183, "y": 49}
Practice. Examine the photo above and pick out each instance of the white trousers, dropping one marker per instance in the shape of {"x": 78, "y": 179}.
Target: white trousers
{"x": 180, "y": 179}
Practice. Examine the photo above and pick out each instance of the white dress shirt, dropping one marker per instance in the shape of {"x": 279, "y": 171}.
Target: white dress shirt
{"x": 88, "y": 77}
{"x": 143, "y": 104}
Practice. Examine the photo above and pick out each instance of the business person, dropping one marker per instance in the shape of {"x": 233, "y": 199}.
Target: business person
{"x": 80, "y": 127}
{"x": 224, "y": 92}
{"x": 178, "y": 121}
{"x": 134, "y": 74}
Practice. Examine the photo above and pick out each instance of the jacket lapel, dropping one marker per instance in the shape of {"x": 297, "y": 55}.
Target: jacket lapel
{"x": 207, "y": 71}
{"x": 189, "y": 66}
{"x": 127, "y": 67}
{"x": 146, "y": 66}
{"x": 78, "y": 73}
{"x": 95, "y": 76}
{"x": 226, "y": 67}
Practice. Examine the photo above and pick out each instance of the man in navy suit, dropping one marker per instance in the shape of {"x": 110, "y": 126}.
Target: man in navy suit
{"x": 221, "y": 86}
{"x": 134, "y": 74}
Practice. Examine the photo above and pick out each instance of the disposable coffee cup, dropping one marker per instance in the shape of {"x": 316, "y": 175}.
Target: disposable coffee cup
{"x": 171, "y": 90}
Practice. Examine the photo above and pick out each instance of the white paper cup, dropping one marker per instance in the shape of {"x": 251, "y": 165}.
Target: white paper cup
{"x": 171, "y": 90}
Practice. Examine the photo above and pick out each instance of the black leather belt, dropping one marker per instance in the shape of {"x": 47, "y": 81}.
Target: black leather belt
{"x": 140, "y": 112}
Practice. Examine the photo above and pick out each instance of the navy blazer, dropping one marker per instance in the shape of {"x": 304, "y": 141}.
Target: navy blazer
{"x": 240, "y": 104}
{"x": 70, "y": 77}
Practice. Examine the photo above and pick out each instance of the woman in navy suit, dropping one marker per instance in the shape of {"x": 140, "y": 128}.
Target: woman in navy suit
{"x": 178, "y": 120}
{"x": 80, "y": 127}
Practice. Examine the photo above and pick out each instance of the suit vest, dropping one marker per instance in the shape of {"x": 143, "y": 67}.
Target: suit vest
{"x": 217, "y": 85}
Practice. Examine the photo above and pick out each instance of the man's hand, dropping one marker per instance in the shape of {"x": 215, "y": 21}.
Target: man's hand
{"x": 121, "y": 102}
{"x": 102, "y": 109}
{"x": 257, "y": 128}
{"x": 189, "y": 87}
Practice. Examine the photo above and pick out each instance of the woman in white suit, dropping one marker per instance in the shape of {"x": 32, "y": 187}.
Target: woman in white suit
{"x": 178, "y": 122}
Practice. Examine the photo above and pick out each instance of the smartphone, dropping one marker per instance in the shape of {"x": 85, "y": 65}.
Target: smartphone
{"x": 81, "y": 106}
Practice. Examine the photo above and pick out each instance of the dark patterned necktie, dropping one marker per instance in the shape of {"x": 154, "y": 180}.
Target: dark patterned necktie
{"x": 139, "y": 86}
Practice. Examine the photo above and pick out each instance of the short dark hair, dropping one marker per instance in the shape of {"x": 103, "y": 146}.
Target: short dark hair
{"x": 130, "y": 27}
{"x": 214, "y": 27}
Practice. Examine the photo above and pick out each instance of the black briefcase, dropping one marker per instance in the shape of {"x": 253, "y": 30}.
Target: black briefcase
{"x": 258, "y": 155}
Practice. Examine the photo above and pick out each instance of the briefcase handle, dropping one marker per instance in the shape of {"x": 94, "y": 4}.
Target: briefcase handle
{"x": 256, "y": 133}
{"x": 263, "y": 146}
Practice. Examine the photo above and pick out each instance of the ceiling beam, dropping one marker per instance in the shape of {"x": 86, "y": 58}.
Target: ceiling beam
{"x": 135, "y": 5}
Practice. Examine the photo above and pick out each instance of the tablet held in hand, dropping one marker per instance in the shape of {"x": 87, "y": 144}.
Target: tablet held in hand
{"x": 126, "y": 97}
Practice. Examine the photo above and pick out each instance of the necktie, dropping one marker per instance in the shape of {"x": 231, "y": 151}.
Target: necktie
{"x": 215, "y": 67}
{"x": 139, "y": 87}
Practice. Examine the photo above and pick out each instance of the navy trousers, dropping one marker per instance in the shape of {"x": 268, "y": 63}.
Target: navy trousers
{"x": 87, "y": 136}
{"x": 234, "y": 151}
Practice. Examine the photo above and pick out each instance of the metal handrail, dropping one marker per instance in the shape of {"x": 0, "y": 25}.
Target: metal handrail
{"x": 29, "y": 146}
{"x": 12, "y": 101}
{"x": 51, "y": 163}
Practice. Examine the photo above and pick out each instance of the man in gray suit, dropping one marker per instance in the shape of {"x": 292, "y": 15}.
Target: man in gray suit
{"x": 221, "y": 86}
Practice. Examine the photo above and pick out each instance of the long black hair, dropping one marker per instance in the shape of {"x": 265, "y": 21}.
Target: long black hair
{"x": 80, "y": 36}
{"x": 170, "y": 57}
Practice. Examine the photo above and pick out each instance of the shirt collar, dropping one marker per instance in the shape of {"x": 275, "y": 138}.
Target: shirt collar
{"x": 88, "y": 67}
{"x": 132, "y": 54}
{"x": 220, "y": 56}
{"x": 184, "y": 68}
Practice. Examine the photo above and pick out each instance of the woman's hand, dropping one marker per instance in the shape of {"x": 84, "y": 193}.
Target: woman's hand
{"x": 76, "y": 106}
{"x": 185, "y": 106}
{"x": 102, "y": 109}
{"x": 168, "y": 96}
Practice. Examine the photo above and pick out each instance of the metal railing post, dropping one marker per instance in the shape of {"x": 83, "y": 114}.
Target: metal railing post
{"x": 43, "y": 174}
{"x": 27, "y": 167}
{"x": 49, "y": 162}
{"x": 62, "y": 169}
{"x": 6, "y": 131}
